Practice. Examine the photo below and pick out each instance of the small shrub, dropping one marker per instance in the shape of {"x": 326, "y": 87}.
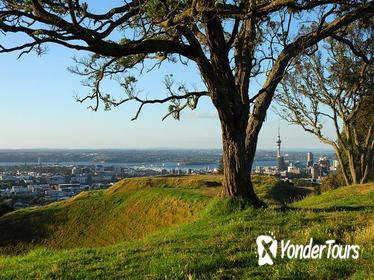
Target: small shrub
{"x": 331, "y": 182}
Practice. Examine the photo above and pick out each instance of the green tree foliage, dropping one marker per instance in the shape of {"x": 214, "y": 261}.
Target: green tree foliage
{"x": 233, "y": 44}
{"x": 334, "y": 87}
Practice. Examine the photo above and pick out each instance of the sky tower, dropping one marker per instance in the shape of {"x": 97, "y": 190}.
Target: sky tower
{"x": 282, "y": 166}
{"x": 278, "y": 144}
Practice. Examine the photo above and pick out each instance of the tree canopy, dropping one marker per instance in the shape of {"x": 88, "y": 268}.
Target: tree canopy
{"x": 234, "y": 44}
{"x": 333, "y": 87}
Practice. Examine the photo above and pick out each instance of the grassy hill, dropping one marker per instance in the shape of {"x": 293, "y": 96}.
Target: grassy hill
{"x": 177, "y": 228}
{"x": 350, "y": 197}
{"x": 129, "y": 210}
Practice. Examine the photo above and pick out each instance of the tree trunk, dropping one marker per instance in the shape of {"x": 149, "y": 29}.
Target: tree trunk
{"x": 236, "y": 169}
{"x": 342, "y": 165}
{"x": 352, "y": 167}
{"x": 237, "y": 173}
{"x": 237, "y": 166}
{"x": 368, "y": 167}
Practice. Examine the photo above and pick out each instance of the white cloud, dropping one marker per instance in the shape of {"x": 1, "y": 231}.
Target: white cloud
{"x": 204, "y": 115}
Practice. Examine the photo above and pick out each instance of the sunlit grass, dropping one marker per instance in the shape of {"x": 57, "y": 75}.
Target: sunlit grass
{"x": 348, "y": 197}
{"x": 216, "y": 241}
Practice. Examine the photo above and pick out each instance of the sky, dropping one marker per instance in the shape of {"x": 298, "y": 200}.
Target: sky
{"x": 38, "y": 110}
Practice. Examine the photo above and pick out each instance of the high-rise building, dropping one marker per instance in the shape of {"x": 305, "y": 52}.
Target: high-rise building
{"x": 324, "y": 165}
{"x": 309, "y": 159}
{"x": 314, "y": 171}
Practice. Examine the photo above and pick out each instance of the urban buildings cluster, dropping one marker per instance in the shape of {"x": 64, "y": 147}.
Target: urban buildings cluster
{"x": 311, "y": 170}
{"x": 37, "y": 185}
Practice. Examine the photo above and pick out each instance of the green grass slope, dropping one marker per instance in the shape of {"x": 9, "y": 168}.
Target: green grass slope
{"x": 217, "y": 242}
{"x": 349, "y": 197}
{"x": 129, "y": 210}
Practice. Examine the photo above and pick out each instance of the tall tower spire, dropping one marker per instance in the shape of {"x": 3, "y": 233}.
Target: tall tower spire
{"x": 278, "y": 143}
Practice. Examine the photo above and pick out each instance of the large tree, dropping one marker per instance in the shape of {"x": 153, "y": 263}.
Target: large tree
{"x": 334, "y": 87}
{"x": 231, "y": 42}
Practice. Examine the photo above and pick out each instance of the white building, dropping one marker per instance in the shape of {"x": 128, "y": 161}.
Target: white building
{"x": 38, "y": 188}
{"x": 293, "y": 169}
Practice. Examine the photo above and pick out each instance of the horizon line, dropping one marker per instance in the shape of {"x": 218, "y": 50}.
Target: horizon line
{"x": 156, "y": 148}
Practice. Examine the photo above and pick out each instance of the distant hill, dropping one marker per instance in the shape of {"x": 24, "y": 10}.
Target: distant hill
{"x": 110, "y": 156}
{"x": 178, "y": 228}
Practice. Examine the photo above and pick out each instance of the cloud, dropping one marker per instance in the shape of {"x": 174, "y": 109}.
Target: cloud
{"x": 204, "y": 115}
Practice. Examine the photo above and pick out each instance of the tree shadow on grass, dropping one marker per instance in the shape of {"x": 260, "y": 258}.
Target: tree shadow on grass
{"x": 4, "y": 209}
{"x": 20, "y": 232}
{"x": 283, "y": 193}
